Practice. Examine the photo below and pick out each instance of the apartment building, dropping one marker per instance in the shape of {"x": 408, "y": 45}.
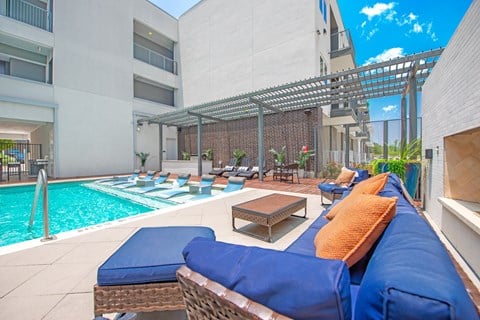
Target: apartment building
{"x": 77, "y": 77}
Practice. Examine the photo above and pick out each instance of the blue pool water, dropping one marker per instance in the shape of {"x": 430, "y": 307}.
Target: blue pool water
{"x": 71, "y": 206}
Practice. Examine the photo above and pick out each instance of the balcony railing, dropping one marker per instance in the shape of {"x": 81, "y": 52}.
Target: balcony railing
{"x": 28, "y": 13}
{"x": 341, "y": 44}
{"x": 153, "y": 58}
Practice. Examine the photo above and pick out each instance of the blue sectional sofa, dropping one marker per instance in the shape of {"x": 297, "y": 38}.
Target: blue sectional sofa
{"x": 408, "y": 273}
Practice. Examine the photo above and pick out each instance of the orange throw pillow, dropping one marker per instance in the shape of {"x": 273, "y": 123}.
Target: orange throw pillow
{"x": 372, "y": 185}
{"x": 355, "y": 229}
{"x": 345, "y": 178}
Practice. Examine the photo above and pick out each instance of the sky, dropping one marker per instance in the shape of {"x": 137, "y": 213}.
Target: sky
{"x": 383, "y": 30}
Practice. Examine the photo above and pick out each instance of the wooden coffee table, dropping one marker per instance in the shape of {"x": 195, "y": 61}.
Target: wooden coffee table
{"x": 268, "y": 211}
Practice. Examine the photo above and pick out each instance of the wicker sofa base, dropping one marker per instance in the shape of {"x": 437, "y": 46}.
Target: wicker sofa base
{"x": 165, "y": 296}
{"x": 206, "y": 299}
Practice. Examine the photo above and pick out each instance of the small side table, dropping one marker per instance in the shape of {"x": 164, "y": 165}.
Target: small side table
{"x": 199, "y": 188}
{"x": 14, "y": 168}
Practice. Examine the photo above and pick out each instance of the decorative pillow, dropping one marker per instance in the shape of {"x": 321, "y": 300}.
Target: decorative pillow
{"x": 372, "y": 185}
{"x": 255, "y": 169}
{"x": 242, "y": 168}
{"x": 345, "y": 178}
{"x": 228, "y": 168}
{"x": 356, "y": 227}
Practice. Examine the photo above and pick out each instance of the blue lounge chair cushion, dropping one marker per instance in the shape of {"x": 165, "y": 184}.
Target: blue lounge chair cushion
{"x": 171, "y": 193}
{"x": 150, "y": 255}
{"x": 298, "y": 286}
{"x": 332, "y": 188}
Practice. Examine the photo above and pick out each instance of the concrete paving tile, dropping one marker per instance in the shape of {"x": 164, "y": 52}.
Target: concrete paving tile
{"x": 12, "y": 277}
{"x": 54, "y": 279}
{"x": 27, "y": 307}
{"x": 104, "y": 235}
{"x": 72, "y": 307}
{"x": 90, "y": 252}
{"x": 44, "y": 254}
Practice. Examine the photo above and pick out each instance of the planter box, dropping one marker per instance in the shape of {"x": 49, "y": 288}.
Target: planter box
{"x": 186, "y": 166}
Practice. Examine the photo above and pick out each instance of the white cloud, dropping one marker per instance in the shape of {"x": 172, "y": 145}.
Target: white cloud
{"x": 412, "y": 16}
{"x": 364, "y": 23}
{"x": 371, "y": 33}
{"x": 378, "y": 9}
{"x": 417, "y": 28}
{"x": 388, "y": 54}
{"x": 390, "y": 108}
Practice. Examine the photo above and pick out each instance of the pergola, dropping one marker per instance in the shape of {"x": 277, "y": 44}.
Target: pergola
{"x": 401, "y": 76}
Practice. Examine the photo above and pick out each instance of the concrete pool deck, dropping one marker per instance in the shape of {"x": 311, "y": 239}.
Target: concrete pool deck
{"x": 55, "y": 280}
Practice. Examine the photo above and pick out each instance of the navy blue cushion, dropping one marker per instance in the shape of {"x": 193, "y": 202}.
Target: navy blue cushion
{"x": 304, "y": 244}
{"x": 362, "y": 175}
{"x": 298, "y": 286}
{"x": 331, "y": 188}
{"x": 150, "y": 255}
{"x": 410, "y": 276}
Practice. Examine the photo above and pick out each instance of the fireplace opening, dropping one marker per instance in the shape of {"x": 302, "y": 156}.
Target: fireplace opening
{"x": 462, "y": 166}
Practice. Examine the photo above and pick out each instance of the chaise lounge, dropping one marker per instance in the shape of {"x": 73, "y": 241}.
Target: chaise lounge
{"x": 396, "y": 267}
{"x": 206, "y": 181}
{"x": 334, "y": 189}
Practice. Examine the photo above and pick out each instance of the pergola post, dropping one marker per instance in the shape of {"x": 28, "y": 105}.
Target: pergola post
{"x": 160, "y": 146}
{"x": 260, "y": 143}
{"x": 403, "y": 121}
{"x": 385, "y": 140}
{"x": 412, "y": 108}
{"x": 347, "y": 145}
{"x": 199, "y": 145}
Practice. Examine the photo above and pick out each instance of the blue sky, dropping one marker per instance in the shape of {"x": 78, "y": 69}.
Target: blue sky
{"x": 383, "y": 30}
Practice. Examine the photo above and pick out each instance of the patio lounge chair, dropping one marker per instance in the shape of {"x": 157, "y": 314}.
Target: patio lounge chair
{"x": 234, "y": 184}
{"x": 207, "y": 180}
{"x": 140, "y": 275}
{"x": 162, "y": 178}
{"x": 229, "y": 167}
{"x": 181, "y": 180}
{"x": 334, "y": 189}
{"x": 148, "y": 177}
{"x": 114, "y": 179}
{"x": 252, "y": 172}
{"x": 244, "y": 167}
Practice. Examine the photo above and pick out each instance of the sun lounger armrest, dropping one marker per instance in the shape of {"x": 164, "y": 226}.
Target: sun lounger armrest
{"x": 204, "y": 296}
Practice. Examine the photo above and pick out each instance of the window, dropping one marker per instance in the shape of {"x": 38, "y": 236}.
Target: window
{"x": 153, "y": 92}
{"x": 4, "y": 67}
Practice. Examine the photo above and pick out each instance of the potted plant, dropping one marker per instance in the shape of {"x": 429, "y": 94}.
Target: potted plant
{"x": 143, "y": 156}
{"x": 407, "y": 167}
{"x": 239, "y": 154}
{"x": 208, "y": 155}
{"x": 279, "y": 156}
{"x": 185, "y": 155}
{"x": 303, "y": 157}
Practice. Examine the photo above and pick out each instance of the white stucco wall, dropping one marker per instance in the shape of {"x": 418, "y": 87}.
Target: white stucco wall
{"x": 93, "y": 84}
{"x": 451, "y": 104}
{"x": 233, "y": 47}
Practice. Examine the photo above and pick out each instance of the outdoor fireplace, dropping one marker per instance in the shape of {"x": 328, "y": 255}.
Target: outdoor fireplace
{"x": 462, "y": 166}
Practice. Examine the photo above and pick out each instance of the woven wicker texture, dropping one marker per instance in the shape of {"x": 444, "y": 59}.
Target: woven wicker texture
{"x": 206, "y": 299}
{"x": 138, "y": 298}
{"x": 269, "y": 210}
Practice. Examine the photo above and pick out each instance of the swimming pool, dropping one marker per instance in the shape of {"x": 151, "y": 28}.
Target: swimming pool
{"x": 71, "y": 205}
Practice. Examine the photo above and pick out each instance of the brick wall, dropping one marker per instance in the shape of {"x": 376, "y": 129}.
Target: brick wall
{"x": 292, "y": 129}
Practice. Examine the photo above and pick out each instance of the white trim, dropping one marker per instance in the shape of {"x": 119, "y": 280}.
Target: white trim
{"x": 29, "y": 102}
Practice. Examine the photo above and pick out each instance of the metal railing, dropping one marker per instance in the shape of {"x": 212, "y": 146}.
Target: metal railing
{"x": 153, "y": 58}
{"x": 29, "y": 13}
{"x": 42, "y": 184}
{"x": 339, "y": 42}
